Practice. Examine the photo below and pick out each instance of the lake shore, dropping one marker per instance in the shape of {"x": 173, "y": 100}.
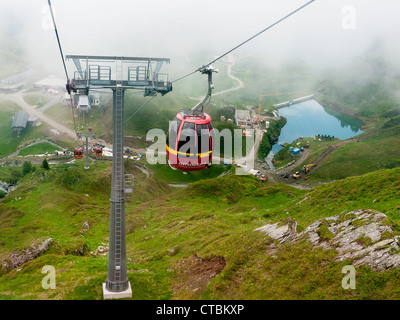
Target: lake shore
{"x": 310, "y": 118}
{"x": 334, "y": 105}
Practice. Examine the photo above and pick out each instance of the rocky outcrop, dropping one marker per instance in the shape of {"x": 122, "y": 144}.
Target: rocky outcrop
{"x": 366, "y": 237}
{"x": 85, "y": 227}
{"x": 101, "y": 250}
{"x": 19, "y": 257}
{"x": 281, "y": 231}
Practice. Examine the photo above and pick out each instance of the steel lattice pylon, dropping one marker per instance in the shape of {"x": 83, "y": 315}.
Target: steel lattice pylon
{"x": 117, "y": 279}
{"x": 119, "y": 74}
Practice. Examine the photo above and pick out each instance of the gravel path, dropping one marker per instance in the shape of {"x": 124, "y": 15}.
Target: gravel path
{"x": 19, "y": 100}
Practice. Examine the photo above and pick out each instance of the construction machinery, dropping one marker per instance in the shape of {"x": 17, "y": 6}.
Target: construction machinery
{"x": 128, "y": 151}
{"x": 305, "y": 169}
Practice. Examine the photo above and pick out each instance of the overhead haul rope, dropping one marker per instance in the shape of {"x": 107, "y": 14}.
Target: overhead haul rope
{"x": 251, "y": 38}
{"x": 65, "y": 67}
{"x": 141, "y": 107}
{"x": 204, "y": 67}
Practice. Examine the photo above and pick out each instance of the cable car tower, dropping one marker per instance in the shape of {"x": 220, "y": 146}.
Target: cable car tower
{"x": 118, "y": 74}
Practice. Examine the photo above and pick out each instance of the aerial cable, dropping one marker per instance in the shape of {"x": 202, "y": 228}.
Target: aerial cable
{"x": 251, "y": 38}
{"x": 141, "y": 107}
{"x": 65, "y": 67}
{"x": 262, "y": 31}
{"x": 189, "y": 74}
{"x": 58, "y": 40}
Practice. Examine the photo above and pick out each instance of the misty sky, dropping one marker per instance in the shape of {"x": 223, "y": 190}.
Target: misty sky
{"x": 325, "y": 33}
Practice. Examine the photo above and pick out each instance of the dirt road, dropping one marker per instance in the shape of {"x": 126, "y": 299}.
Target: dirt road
{"x": 19, "y": 100}
{"x": 231, "y": 61}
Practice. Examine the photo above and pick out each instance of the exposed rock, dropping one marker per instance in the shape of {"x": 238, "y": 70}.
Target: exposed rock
{"x": 85, "y": 226}
{"x": 78, "y": 248}
{"x": 101, "y": 250}
{"x": 365, "y": 236}
{"x": 173, "y": 251}
{"x": 18, "y": 258}
{"x": 281, "y": 231}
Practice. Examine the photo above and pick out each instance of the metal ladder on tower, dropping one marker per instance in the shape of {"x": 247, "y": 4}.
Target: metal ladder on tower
{"x": 128, "y": 186}
{"x": 118, "y": 70}
{"x": 120, "y": 181}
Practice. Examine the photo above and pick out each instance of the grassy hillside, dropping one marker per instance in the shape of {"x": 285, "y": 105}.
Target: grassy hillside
{"x": 175, "y": 236}
{"x": 371, "y": 151}
{"x": 39, "y": 148}
{"x": 10, "y": 142}
{"x": 367, "y": 85}
{"x": 166, "y": 174}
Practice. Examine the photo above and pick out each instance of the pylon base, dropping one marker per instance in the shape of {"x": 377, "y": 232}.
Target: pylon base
{"x": 117, "y": 295}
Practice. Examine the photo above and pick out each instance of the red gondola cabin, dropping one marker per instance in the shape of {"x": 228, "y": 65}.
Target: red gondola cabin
{"x": 98, "y": 151}
{"x": 189, "y": 141}
{"x": 78, "y": 154}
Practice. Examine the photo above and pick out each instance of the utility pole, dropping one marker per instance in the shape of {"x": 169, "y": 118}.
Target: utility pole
{"x": 130, "y": 73}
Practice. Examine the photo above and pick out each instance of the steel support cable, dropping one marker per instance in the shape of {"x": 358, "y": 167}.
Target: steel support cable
{"x": 58, "y": 40}
{"x": 65, "y": 67}
{"x": 140, "y": 108}
{"x": 73, "y": 115}
{"x": 189, "y": 74}
{"x": 249, "y": 39}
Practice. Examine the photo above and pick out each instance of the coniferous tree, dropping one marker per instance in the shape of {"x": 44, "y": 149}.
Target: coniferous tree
{"x": 45, "y": 164}
{"x": 26, "y": 167}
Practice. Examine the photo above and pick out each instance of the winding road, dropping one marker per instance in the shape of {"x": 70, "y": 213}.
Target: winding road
{"x": 231, "y": 62}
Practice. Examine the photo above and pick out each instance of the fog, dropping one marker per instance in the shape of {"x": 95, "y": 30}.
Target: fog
{"x": 326, "y": 33}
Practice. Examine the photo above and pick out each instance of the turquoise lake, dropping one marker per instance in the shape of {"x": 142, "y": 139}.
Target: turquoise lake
{"x": 309, "y": 118}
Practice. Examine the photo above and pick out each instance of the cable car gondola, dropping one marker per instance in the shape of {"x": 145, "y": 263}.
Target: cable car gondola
{"x": 98, "y": 151}
{"x": 189, "y": 140}
{"x": 78, "y": 154}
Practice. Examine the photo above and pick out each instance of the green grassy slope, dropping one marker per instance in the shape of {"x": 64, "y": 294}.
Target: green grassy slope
{"x": 167, "y": 228}
{"x": 39, "y": 148}
{"x": 375, "y": 150}
{"x": 10, "y": 142}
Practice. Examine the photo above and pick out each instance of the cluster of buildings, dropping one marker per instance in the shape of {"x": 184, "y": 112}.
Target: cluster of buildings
{"x": 243, "y": 119}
